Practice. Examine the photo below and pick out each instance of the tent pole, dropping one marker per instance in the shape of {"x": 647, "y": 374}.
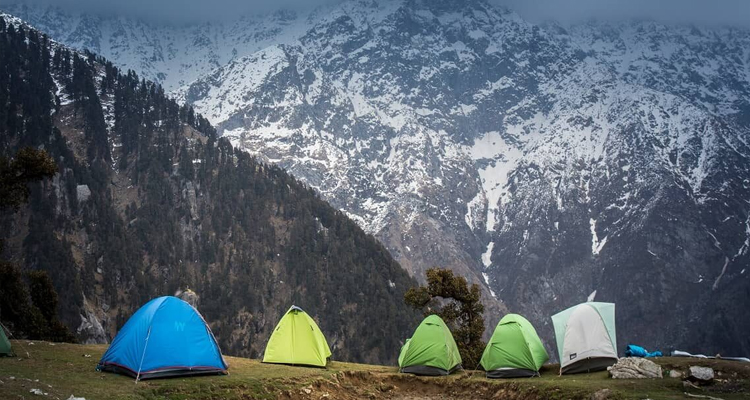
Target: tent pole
{"x": 138, "y": 376}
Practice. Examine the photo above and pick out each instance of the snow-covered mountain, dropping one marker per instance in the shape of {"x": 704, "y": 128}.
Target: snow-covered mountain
{"x": 170, "y": 55}
{"x": 554, "y": 165}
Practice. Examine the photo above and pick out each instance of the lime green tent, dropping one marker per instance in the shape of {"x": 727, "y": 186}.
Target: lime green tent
{"x": 297, "y": 340}
{"x": 586, "y": 337}
{"x": 431, "y": 350}
{"x": 5, "y": 349}
{"x": 514, "y": 350}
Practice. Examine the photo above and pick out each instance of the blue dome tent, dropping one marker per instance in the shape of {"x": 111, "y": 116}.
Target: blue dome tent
{"x": 165, "y": 337}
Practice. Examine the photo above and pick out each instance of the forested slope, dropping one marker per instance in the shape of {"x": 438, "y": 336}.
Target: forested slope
{"x": 147, "y": 202}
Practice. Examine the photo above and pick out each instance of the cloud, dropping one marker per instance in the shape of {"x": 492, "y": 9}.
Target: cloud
{"x": 699, "y": 12}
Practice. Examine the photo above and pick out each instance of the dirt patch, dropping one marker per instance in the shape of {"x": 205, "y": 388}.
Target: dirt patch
{"x": 723, "y": 368}
{"x": 376, "y": 386}
{"x": 730, "y": 376}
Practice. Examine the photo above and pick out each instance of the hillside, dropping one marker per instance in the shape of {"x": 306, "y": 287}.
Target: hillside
{"x": 62, "y": 370}
{"x": 148, "y": 201}
{"x": 550, "y": 164}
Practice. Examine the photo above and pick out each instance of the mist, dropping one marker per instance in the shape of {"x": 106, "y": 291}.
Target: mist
{"x": 176, "y": 11}
{"x": 697, "y": 12}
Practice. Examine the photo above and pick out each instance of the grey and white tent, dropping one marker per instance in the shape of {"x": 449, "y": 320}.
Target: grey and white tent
{"x": 586, "y": 337}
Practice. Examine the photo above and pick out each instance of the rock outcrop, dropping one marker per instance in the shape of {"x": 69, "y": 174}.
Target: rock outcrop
{"x": 188, "y": 296}
{"x": 702, "y": 375}
{"x": 635, "y": 368}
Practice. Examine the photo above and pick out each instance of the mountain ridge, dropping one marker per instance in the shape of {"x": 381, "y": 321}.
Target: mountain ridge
{"x": 549, "y": 164}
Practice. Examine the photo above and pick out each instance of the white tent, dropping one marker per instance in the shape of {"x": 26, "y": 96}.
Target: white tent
{"x": 586, "y": 339}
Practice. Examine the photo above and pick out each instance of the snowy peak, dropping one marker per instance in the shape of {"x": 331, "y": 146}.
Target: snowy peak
{"x": 251, "y": 71}
{"x": 545, "y": 164}
{"x": 170, "y": 55}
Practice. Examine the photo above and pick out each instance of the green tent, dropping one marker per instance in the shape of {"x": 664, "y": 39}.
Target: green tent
{"x": 431, "y": 350}
{"x": 586, "y": 337}
{"x": 5, "y": 349}
{"x": 514, "y": 350}
{"x": 297, "y": 340}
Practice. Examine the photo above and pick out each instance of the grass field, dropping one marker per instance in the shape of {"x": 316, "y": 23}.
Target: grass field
{"x": 61, "y": 370}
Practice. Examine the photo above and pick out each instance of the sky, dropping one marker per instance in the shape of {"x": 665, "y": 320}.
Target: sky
{"x": 699, "y": 12}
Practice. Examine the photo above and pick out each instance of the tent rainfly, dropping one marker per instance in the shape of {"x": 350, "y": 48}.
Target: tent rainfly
{"x": 586, "y": 338}
{"x": 514, "y": 350}
{"x": 166, "y": 337}
{"x": 431, "y": 350}
{"x": 5, "y": 350}
{"x": 297, "y": 340}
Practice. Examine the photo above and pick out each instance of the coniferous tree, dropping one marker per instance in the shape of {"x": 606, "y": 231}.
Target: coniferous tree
{"x": 458, "y": 304}
{"x": 43, "y": 294}
{"x": 29, "y": 165}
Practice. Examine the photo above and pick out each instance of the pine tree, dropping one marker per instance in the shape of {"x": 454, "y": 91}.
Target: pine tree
{"x": 29, "y": 165}
{"x": 43, "y": 294}
{"x": 459, "y": 305}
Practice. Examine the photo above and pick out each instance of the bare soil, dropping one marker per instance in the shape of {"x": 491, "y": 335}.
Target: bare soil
{"x": 378, "y": 385}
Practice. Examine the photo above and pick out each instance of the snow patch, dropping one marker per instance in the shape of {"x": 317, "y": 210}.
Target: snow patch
{"x": 474, "y": 208}
{"x": 476, "y": 34}
{"x": 487, "y": 255}
{"x": 596, "y": 245}
{"x": 717, "y": 244}
{"x": 746, "y": 245}
{"x": 487, "y": 281}
{"x": 723, "y": 270}
{"x": 498, "y": 159}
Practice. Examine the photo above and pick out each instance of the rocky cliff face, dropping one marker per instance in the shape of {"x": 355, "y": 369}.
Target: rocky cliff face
{"x": 550, "y": 164}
